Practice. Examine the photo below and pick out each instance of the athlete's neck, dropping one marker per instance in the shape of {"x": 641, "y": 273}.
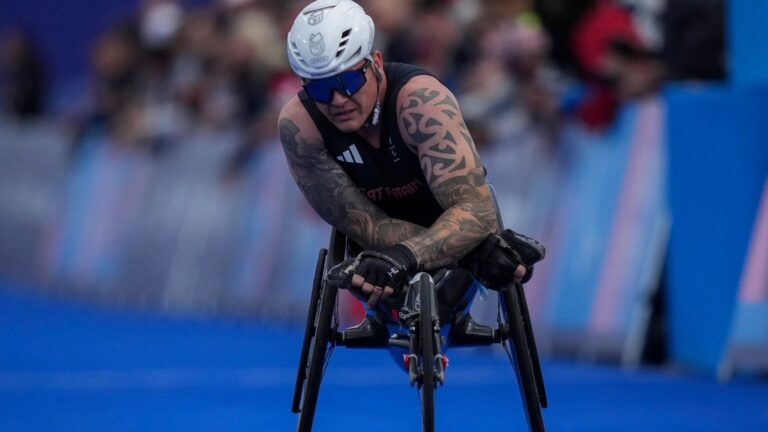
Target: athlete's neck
{"x": 371, "y": 132}
{"x": 371, "y": 135}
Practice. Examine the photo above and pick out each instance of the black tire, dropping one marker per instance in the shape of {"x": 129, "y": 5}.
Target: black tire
{"x": 324, "y": 332}
{"x": 317, "y": 357}
{"x": 526, "y": 378}
{"x": 309, "y": 332}
{"x": 427, "y": 348}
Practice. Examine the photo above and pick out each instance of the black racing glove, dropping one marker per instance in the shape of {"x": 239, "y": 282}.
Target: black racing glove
{"x": 390, "y": 267}
{"x": 495, "y": 260}
{"x": 530, "y": 250}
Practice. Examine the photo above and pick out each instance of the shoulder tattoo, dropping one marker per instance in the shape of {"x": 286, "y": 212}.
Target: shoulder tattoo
{"x": 432, "y": 122}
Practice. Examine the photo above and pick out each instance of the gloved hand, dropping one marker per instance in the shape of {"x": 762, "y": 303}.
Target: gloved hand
{"x": 494, "y": 263}
{"x": 502, "y": 259}
{"x": 379, "y": 274}
{"x": 529, "y": 249}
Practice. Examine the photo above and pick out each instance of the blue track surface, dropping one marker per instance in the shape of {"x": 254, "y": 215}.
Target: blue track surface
{"x": 65, "y": 367}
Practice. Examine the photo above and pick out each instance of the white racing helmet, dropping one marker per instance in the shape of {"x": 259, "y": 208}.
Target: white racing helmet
{"x": 328, "y": 37}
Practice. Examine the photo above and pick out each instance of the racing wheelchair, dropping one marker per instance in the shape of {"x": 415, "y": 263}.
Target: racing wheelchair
{"x": 427, "y": 317}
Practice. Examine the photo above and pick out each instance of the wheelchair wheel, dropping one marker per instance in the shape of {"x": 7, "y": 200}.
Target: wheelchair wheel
{"x": 319, "y": 339}
{"x": 529, "y": 337}
{"x": 309, "y": 332}
{"x": 427, "y": 347}
{"x": 513, "y": 327}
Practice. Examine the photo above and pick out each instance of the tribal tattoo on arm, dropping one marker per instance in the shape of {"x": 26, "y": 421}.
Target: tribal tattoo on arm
{"x": 431, "y": 122}
{"x": 335, "y": 197}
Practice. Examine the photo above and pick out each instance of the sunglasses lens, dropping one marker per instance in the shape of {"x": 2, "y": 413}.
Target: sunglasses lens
{"x": 321, "y": 90}
{"x": 347, "y": 83}
{"x": 353, "y": 81}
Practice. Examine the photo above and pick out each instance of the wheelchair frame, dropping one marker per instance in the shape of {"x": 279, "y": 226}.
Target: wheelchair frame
{"x": 424, "y": 362}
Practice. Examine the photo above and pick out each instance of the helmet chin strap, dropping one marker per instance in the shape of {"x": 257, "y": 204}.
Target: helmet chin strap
{"x": 373, "y": 119}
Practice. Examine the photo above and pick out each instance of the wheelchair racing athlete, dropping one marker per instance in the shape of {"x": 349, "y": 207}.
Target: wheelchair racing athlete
{"x": 380, "y": 150}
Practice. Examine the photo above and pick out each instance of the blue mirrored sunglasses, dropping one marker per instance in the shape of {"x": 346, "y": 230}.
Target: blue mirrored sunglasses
{"x": 347, "y": 83}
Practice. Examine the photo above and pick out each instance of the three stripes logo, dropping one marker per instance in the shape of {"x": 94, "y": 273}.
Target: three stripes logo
{"x": 351, "y": 155}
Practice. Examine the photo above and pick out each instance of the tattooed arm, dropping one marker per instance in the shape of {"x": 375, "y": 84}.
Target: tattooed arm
{"x": 328, "y": 188}
{"x": 431, "y": 124}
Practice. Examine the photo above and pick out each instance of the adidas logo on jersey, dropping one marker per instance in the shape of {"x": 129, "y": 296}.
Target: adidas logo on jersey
{"x": 351, "y": 155}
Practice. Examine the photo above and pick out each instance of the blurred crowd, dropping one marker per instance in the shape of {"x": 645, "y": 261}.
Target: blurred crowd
{"x": 162, "y": 181}
{"x": 519, "y": 67}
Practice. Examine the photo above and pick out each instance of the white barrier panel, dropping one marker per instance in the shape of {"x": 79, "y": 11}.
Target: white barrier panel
{"x": 169, "y": 231}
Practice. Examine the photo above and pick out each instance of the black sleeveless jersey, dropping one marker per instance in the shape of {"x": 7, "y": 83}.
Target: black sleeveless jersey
{"x": 390, "y": 176}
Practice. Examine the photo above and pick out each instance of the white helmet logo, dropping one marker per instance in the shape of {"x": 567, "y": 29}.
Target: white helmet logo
{"x": 316, "y": 44}
{"x": 316, "y": 17}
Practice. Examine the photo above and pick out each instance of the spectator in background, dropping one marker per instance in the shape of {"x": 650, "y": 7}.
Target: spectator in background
{"x": 256, "y": 56}
{"x": 257, "y": 67}
{"x": 647, "y": 16}
{"x": 392, "y": 27}
{"x": 158, "y": 117}
{"x": 634, "y": 71}
{"x": 509, "y": 90}
{"x": 21, "y": 75}
{"x": 115, "y": 67}
{"x": 197, "y": 48}
{"x": 432, "y": 44}
{"x": 602, "y": 24}
{"x": 202, "y": 78}
{"x": 559, "y": 18}
{"x": 615, "y": 64}
{"x": 695, "y": 39}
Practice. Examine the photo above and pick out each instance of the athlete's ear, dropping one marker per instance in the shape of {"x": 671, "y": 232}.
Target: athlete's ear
{"x": 378, "y": 64}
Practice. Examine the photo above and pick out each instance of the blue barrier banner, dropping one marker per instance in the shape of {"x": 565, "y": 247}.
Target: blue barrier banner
{"x": 718, "y": 161}
{"x": 748, "y": 343}
{"x": 611, "y": 234}
{"x": 636, "y": 243}
{"x": 590, "y": 193}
